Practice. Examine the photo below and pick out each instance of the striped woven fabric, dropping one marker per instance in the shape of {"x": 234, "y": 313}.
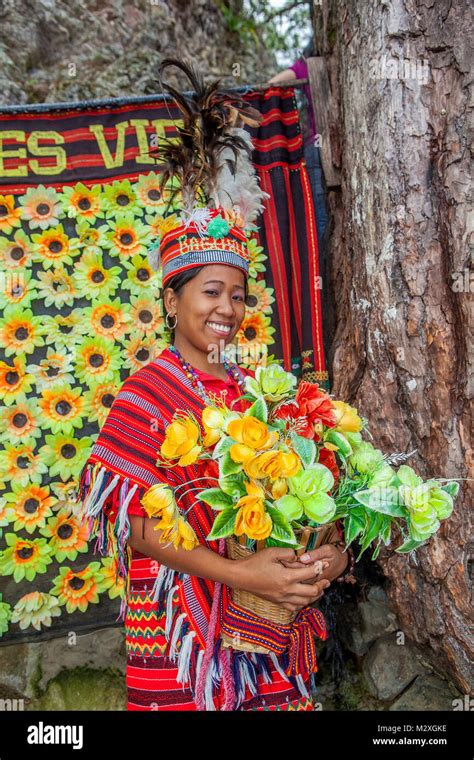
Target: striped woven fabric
{"x": 167, "y": 613}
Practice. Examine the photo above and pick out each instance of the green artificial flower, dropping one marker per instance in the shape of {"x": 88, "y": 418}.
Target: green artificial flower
{"x": 141, "y": 278}
{"x": 57, "y": 287}
{"x": 92, "y": 279}
{"x": 127, "y": 237}
{"x": 5, "y": 616}
{"x": 65, "y": 455}
{"x": 40, "y": 206}
{"x": 383, "y": 476}
{"x": 17, "y": 253}
{"x": 81, "y": 202}
{"x": 97, "y": 360}
{"x": 25, "y": 557}
{"x": 218, "y": 227}
{"x": 91, "y": 239}
{"x": 36, "y": 609}
{"x": 18, "y": 289}
{"x": 20, "y": 331}
{"x": 119, "y": 198}
{"x": 365, "y": 459}
{"x": 309, "y": 495}
{"x": 20, "y": 422}
{"x": 272, "y": 382}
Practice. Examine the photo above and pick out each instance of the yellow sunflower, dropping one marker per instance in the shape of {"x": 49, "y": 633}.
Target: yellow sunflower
{"x": 146, "y": 314}
{"x": 55, "y": 367}
{"x": 10, "y": 216}
{"x": 28, "y": 506}
{"x": 98, "y": 401}
{"x": 83, "y": 202}
{"x": 260, "y": 298}
{"x": 97, "y": 360}
{"x": 40, "y": 206}
{"x": 24, "y": 557}
{"x": 19, "y": 288}
{"x": 15, "y": 381}
{"x": 19, "y": 422}
{"x": 140, "y": 351}
{"x": 62, "y": 408}
{"x": 67, "y": 536}
{"x": 20, "y": 331}
{"x": 255, "y": 329}
{"x": 16, "y": 253}
{"x": 20, "y": 463}
{"x": 54, "y": 246}
{"x": 78, "y": 589}
{"x": 57, "y": 287}
{"x": 108, "y": 319}
{"x": 93, "y": 279}
{"x": 127, "y": 237}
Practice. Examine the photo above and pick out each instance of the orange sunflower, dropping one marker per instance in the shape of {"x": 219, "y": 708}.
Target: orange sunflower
{"x": 67, "y": 536}
{"x": 19, "y": 422}
{"x": 110, "y": 320}
{"x": 98, "y": 401}
{"x": 78, "y": 589}
{"x": 29, "y": 507}
{"x": 14, "y": 380}
{"x": 10, "y": 216}
{"x": 62, "y": 408}
{"x": 54, "y": 246}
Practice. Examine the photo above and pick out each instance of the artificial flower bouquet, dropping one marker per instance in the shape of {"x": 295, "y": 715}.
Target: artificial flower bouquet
{"x": 291, "y": 465}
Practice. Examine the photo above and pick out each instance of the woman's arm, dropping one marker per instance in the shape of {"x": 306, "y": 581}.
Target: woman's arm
{"x": 282, "y": 76}
{"x": 262, "y": 573}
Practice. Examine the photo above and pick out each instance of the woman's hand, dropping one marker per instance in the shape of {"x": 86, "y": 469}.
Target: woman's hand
{"x": 336, "y": 560}
{"x": 292, "y": 585}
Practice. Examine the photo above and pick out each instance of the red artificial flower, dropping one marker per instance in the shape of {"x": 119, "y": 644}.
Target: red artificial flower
{"x": 312, "y": 405}
{"x": 328, "y": 459}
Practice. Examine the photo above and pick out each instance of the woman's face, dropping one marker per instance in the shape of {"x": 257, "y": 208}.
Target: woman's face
{"x": 210, "y": 307}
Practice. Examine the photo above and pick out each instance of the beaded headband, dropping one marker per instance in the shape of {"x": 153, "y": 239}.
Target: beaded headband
{"x": 209, "y": 167}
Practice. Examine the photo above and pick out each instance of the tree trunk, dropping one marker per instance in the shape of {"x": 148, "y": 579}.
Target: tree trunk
{"x": 398, "y": 282}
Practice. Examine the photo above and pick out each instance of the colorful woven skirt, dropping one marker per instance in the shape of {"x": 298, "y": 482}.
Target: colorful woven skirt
{"x": 151, "y": 677}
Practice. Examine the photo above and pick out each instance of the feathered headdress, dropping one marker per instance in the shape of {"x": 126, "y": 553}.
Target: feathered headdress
{"x": 209, "y": 173}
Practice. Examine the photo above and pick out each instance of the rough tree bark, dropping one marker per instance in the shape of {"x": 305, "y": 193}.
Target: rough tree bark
{"x": 399, "y": 277}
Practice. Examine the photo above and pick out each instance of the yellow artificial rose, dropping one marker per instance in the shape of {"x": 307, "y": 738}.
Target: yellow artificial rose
{"x": 279, "y": 488}
{"x": 157, "y": 499}
{"x": 186, "y": 536}
{"x": 253, "y": 521}
{"x": 253, "y": 434}
{"x": 213, "y": 422}
{"x": 181, "y": 440}
{"x": 291, "y": 463}
{"x": 255, "y": 494}
{"x": 347, "y": 418}
{"x": 265, "y": 465}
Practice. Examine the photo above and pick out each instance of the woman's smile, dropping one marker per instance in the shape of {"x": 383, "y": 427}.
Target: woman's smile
{"x": 220, "y": 328}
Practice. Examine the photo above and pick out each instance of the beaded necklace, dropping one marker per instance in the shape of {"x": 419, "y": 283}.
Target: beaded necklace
{"x": 191, "y": 374}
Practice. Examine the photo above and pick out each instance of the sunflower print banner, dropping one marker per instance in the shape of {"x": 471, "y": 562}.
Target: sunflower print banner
{"x": 80, "y": 207}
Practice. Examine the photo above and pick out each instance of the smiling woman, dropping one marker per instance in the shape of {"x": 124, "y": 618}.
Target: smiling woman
{"x": 176, "y": 597}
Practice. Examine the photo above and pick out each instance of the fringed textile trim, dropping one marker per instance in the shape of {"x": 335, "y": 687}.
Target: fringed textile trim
{"x": 297, "y": 638}
{"x": 97, "y": 485}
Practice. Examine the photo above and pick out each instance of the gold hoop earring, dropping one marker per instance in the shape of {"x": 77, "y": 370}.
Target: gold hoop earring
{"x": 171, "y": 327}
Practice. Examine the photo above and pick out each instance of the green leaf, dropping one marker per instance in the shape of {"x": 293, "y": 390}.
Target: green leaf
{"x": 339, "y": 440}
{"x": 224, "y": 524}
{"x": 259, "y": 410}
{"x": 409, "y": 546}
{"x": 372, "y": 530}
{"x": 376, "y": 551}
{"x": 222, "y": 447}
{"x": 451, "y": 488}
{"x": 354, "y": 524}
{"x": 215, "y": 498}
{"x": 282, "y": 544}
{"x": 282, "y": 530}
{"x": 305, "y": 448}
{"x": 233, "y": 484}
{"x": 384, "y": 500}
{"x": 227, "y": 466}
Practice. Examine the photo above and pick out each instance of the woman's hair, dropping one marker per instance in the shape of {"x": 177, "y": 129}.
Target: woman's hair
{"x": 179, "y": 280}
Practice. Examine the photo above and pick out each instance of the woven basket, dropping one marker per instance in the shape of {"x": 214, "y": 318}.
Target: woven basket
{"x": 275, "y": 613}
